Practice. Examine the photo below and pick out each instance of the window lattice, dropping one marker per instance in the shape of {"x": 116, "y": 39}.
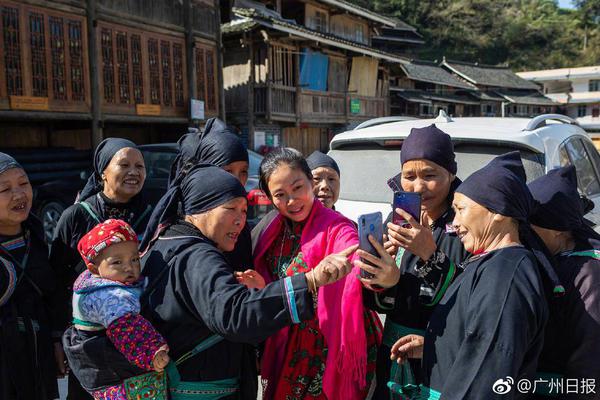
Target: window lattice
{"x": 12, "y": 51}
{"x": 108, "y": 71}
{"x": 200, "y": 77}
{"x": 57, "y": 49}
{"x": 211, "y": 101}
{"x": 154, "y": 71}
{"x": 123, "y": 67}
{"x": 76, "y": 58}
{"x": 165, "y": 59}
{"x": 136, "y": 69}
{"x": 178, "y": 73}
{"x": 39, "y": 76}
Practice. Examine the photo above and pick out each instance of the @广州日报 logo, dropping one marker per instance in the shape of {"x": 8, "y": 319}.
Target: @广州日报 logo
{"x": 503, "y": 386}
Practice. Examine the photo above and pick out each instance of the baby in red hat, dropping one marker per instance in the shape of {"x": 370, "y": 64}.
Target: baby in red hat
{"x": 106, "y": 305}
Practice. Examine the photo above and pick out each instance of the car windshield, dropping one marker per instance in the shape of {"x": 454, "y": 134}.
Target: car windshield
{"x": 365, "y": 171}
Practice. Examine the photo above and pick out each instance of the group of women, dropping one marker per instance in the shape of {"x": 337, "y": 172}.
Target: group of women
{"x": 481, "y": 287}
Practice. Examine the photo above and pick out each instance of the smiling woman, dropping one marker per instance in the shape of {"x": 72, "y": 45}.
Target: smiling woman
{"x": 27, "y": 368}
{"x": 114, "y": 190}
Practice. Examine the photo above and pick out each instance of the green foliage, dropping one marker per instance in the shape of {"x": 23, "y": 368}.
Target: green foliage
{"x": 525, "y": 34}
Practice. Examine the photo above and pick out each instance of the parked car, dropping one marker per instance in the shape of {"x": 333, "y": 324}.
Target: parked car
{"x": 369, "y": 157}
{"x": 52, "y": 198}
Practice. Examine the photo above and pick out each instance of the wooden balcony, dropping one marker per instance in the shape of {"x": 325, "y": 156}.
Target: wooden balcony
{"x": 286, "y": 103}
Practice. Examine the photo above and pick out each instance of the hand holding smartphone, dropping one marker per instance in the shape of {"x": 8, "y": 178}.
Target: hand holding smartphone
{"x": 369, "y": 224}
{"x": 409, "y": 202}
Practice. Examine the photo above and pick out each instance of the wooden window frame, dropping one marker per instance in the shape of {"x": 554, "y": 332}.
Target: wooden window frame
{"x": 207, "y": 86}
{"x": 55, "y": 60}
{"x": 145, "y": 80}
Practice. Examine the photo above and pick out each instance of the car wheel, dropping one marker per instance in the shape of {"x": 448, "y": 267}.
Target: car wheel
{"x": 50, "y": 214}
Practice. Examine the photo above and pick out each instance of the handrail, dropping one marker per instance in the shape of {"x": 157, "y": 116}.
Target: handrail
{"x": 540, "y": 120}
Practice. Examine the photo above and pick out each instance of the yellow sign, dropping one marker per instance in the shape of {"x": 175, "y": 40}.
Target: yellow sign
{"x": 147, "y": 109}
{"x": 29, "y": 103}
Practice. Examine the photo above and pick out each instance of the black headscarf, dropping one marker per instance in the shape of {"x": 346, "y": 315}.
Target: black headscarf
{"x": 429, "y": 143}
{"x": 197, "y": 190}
{"x": 501, "y": 187}
{"x": 318, "y": 159}
{"x": 7, "y": 162}
{"x": 560, "y": 207}
{"x": 218, "y": 145}
{"x": 104, "y": 153}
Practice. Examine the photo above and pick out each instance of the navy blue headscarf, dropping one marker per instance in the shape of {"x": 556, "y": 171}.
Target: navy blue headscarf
{"x": 560, "y": 207}
{"x": 7, "y": 162}
{"x": 501, "y": 187}
{"x": 218, "y": 145}
{"x": 429, "y": 143}
{"x": 197, "y": 190}
{"x": 104, "y": 153}
{"x": 318, "y": 159}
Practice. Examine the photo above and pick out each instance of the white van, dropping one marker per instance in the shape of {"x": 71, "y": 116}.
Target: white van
{"x": 368, "y": 157}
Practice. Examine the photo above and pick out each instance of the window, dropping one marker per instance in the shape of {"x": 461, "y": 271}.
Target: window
{"x": 206, "y": 84}
{"x": 123, "y": 67}
{"x": 319, "y": 21}
{"x": 165, "y": 62}
{"x": 39, "y": 76}
{"x": 108, "y": 71}
{"x": 586, "y": 174}
{"x": 425, "y": 109}
{"x": 44, "y": 55}
{"x": 359, "y": 33}
{"x": 57, "y": 44}
{"x": 76, "y": 53}
{"x": 581, "y": 110}
{"x": 136, "y": 69}
{"x": 595, "y": 112}
{"x": 12, "y": 51}
{"x": 594, "y": 85}
{"x": 178, "y": 74}
{"x": 154, "y": 71}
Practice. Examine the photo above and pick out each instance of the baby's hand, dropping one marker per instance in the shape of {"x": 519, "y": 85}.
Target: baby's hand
{"x": 250, "y": 278}
{"x": 161, "y": 359}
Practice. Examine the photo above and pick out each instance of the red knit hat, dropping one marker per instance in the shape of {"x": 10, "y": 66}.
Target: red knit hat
{"x": 102, "y": 236}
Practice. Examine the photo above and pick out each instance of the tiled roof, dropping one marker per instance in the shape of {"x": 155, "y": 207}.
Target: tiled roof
{"x": 532, "y": 98}
{"x": 251, "y": 18}
{"x": 488, "y": 75}
{"x": 421, "y": 96}
{"x": 430, "y": 72}
{"x": 412, "y": 96}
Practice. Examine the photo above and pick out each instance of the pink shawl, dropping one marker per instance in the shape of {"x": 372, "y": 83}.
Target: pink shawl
{"x": 340, "y": 306}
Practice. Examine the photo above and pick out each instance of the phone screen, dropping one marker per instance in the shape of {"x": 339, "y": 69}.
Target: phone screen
{"x": 409, "y": 202}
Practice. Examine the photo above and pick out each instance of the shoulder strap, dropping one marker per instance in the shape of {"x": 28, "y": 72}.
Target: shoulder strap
{"x": 595, "y": 254}
{"x": 87, "y": 207}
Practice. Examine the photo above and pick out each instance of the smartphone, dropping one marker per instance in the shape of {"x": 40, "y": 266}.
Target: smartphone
{"x": 369, "y": 224}
{"x": 394, "y": 183}
{"x": 409, "y": 202}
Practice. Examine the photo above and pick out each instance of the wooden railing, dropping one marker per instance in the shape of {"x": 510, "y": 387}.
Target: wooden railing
{"x": 280, "y": 102}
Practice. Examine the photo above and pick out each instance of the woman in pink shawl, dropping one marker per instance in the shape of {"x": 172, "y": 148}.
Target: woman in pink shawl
{"x": 333, "y": 355}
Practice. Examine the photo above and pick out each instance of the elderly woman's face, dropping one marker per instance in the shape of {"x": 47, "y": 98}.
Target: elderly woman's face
{"x": 125, "y": 175}
{"x": 430, "y": 180}
{"x": 474, "y": 223}
{"x": 223, "y": 224}
{"x": 15, "y": 197}
{"x": 291, "y": 192}
{"x": 326, "y": 185}
{"x": 239, "y": 169}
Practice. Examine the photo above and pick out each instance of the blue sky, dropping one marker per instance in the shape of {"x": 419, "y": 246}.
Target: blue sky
{"x": 565, "y": 3}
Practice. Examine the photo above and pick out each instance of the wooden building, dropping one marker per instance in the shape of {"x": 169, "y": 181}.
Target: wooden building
{"x": 75, "y": 71}
{"x": 298, "y": 71}
{"x": 500, "y": 91}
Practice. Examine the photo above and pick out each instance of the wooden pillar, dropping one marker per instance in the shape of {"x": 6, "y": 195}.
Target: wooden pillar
{"x": 97, "y": 134}
{"x": 220, "y": 51}
{"x": 298, "y": 88}
{"x": 250, "y": 46}
{"x": 190, "y": 59}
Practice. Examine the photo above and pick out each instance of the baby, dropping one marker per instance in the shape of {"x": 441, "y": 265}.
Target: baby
{"x": 106, "y": 304}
